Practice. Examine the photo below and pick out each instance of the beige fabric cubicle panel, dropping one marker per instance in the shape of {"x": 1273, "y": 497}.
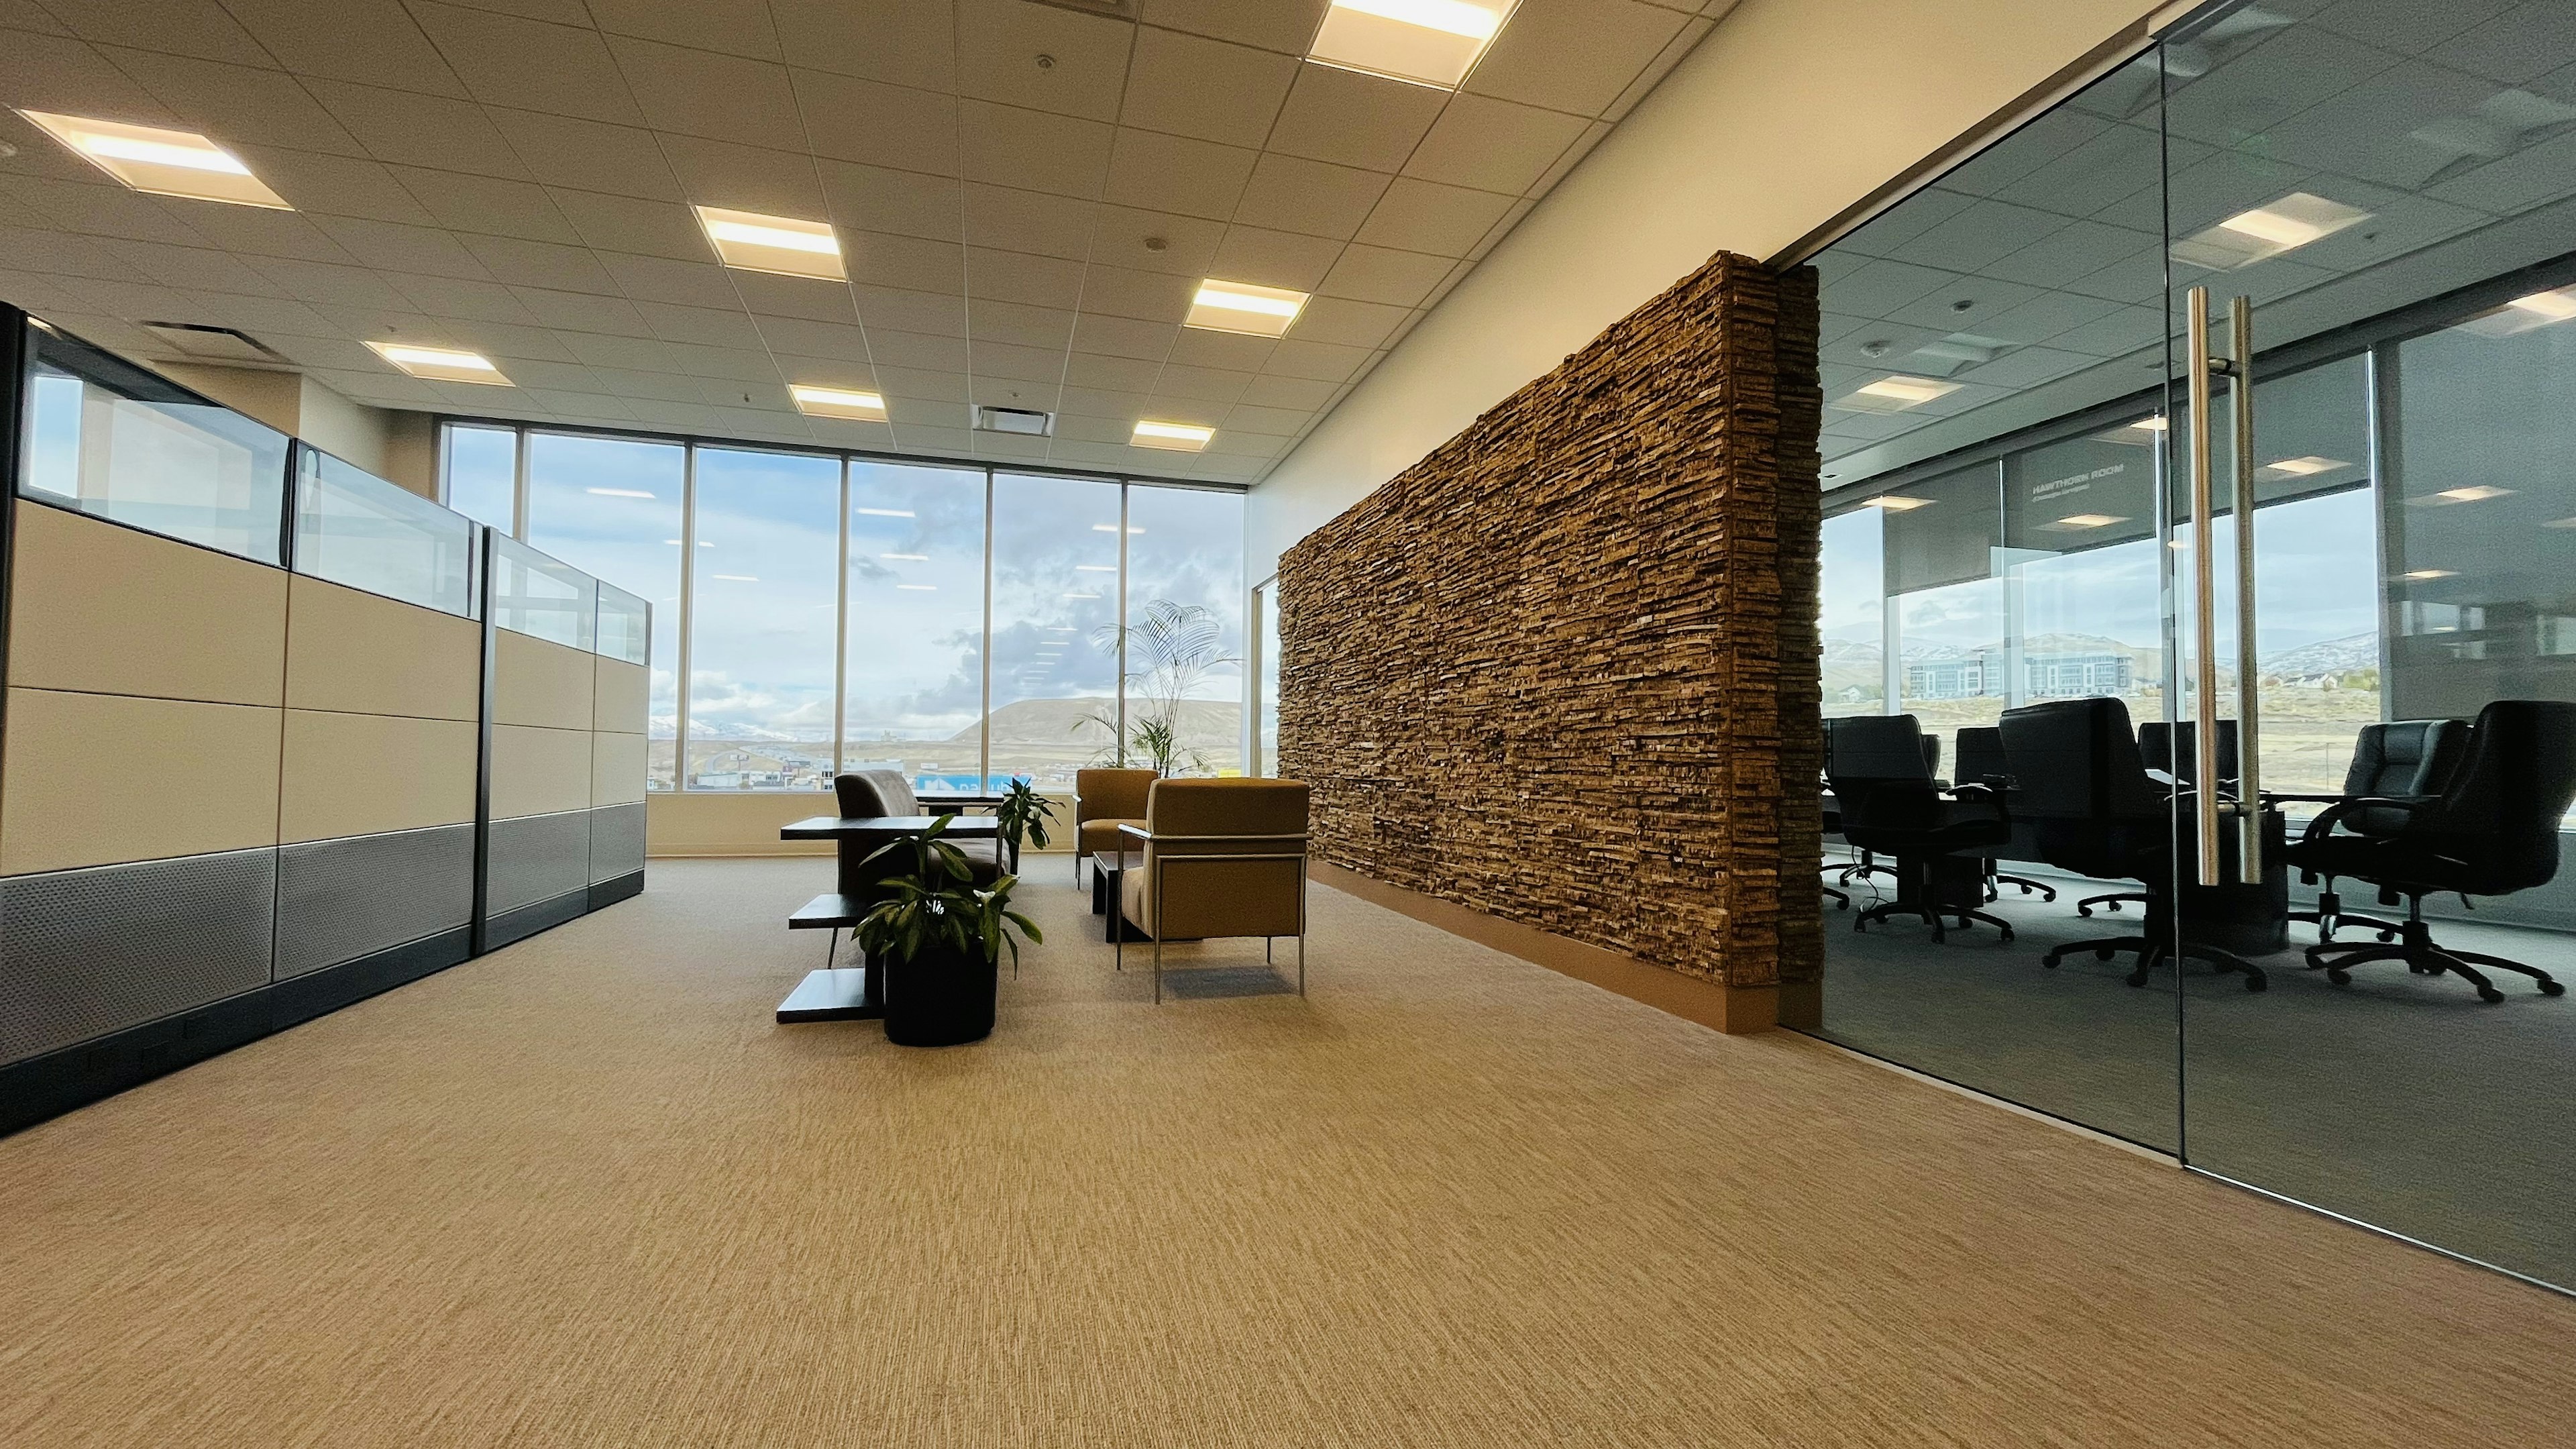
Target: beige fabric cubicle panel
{"x": 616, "y": 768}
{"x": 355, "y": 653}
{"x": 538, "y": 771}
{"x": 105, "y": 609}
{"x": 95, "y": 779}
{"x": 621, "y": 696}
{"x": 539, "y": 682}
{"x": 363, "y": 774}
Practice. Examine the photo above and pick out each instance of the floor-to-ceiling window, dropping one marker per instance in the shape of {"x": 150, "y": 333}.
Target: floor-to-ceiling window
{"x": 957, "y": 622}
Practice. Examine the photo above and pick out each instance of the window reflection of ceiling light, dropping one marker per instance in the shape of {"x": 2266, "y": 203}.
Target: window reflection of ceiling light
{"x": 2522, "y": 314}
{"x": 617, "y": 492}
{"x": 2473, "y": 493}
{"x": 1113, "y": 528}
{"x": 755, "y": 243}
{"x": 2431, "y": 574}
{"x": 441, "y": 364}
{"x": 1095, "y": 568}
{"x": 702, "y": 543}
{"x": 1428, "y": 42}
{"x": 1243, "y": 307}
{"x": 833, "y": 402}
{"x": 1082, "y": 596}
{"x": 165, "y": 163}
{"x": 1897, "y": 502}
{"x": 2078, "y": 522}
{"x": 2307, "y": 467}
{"x": 2555, "y": 306}
{"x": 1179, "y": 437}
{"x": 1896, "y": 394}
{"x": 919, "y": 588}
{"x": 907, "y": 557}
{"x": 737, "y": 578}
{"x": 2560, "y": 523}
{"x": 2267, "y": 231}
{"x": 884, "y": 512}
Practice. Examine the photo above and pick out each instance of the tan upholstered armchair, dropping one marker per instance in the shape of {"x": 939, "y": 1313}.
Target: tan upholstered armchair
{"x": 875, "y": 793}
{"x": 1103, "y": 800}
{"x": 1222, "y": 858}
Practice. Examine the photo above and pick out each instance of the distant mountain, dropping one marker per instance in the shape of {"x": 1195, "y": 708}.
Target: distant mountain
{"x": 2331, "y": 656}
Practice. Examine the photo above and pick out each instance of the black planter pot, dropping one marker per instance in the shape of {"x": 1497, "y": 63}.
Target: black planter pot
{"x": 942, "y": 997}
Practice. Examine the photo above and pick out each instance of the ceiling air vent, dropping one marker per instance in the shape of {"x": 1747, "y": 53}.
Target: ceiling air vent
{"x": 1014, "y": 420}
{"x": 1115, "y": 9}
{"x": 197, "y": 342}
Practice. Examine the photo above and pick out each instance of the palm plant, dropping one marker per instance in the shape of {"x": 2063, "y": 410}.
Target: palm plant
{"x": 936, "y": 904}
{"x": 1177, "y": 645}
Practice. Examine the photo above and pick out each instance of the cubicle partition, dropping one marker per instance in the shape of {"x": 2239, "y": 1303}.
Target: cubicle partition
{"x": 278, "y": 735}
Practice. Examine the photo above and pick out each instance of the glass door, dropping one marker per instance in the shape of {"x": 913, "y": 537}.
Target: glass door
{"x": 2373, "y": 204}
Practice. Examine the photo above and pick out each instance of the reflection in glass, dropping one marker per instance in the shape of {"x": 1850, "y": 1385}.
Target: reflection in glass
{"x": 1185, "y": 630}
{"x": 765, "y": 599}
{"x": 542, "y": 598}
{"x": 480, "y": 474}
{"x": 115, "y": 441}
{"x": 915, "y": 675}
{"x": 625, "y": 626}
{"x": 1055, "y": 634}
{"x": 611, "y": 507}
{"x": 1853, "y": 615}
{"x": 354, "y": 528}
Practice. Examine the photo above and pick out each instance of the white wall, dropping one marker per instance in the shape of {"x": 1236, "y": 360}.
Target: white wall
{"x": 394, "y": 445}
{"x": 1790, "y": 111}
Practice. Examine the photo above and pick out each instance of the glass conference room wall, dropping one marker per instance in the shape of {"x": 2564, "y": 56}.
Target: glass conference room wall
{"x": 2012, "y": 458}
{"x": 963, "y": 623}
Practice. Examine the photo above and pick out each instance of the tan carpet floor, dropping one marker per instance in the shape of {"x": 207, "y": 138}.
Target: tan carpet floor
{"x": 585, "y": 1191}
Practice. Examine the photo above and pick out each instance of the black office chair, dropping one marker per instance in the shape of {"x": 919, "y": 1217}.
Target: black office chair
{"x": 1868, "y": 864}
{"x": 2401, "y": 760}
{"x": 2156, "y": 747}
{"x": 1834, "y": 826}
{"x": 2491, "y": 831}
{"x": 2078, "y": 775}
{"x": 1981, "y": 762}
{"x": 1890, "y": 803}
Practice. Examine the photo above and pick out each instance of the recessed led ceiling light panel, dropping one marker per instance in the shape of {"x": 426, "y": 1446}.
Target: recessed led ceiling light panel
{"x": 780, "y": 244}
{"x": 1896, "y": 394}
{"x": 834, "y": 402}
{"x": 2267, "y": 231}
{"x": 1427, "y": 42}
{"x": 1179, "y": 437}
{"x": 1245, "y": 308}
{"x": 2522, "y": 314}
{"x": 440, "y": 364}
{"x": 165, "y": 163}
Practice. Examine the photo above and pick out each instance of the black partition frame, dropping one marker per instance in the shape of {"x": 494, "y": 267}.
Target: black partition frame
{"x": 55, "y": 1081}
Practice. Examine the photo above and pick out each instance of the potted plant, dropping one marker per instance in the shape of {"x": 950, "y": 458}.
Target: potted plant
{"x": 941, "y": 938}
{"x": 1023, "y": 813}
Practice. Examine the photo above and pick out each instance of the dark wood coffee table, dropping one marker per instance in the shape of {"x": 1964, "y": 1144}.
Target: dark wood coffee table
{"x": 1108, "y": 885}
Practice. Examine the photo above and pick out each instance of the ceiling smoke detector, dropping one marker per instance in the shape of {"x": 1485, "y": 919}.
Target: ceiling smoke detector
{"x": 1021, "y": 421}
{"x": 196, "y": 342}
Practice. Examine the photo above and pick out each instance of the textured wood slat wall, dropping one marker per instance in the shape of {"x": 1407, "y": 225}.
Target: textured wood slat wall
{"x": 1563, "y": 670}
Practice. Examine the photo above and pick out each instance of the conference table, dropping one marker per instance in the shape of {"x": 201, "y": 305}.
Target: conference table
{"x": 857, "y": 993}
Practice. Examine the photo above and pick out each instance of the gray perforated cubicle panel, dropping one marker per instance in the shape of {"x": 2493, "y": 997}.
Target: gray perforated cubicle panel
{"x": 85, "y": 953}
{"x": 616, "y": 842}
{"x": 338, "y": 900}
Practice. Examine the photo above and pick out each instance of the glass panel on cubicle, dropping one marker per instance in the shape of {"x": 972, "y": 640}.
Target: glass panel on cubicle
{"x": 113, "y": 440}
{"x": 915, "y": 673}
{"x": 611, "y": 507}
{"x": 354, "y": 528}
{"x": 541, "y": 598}
{"x": 625, "y": 626}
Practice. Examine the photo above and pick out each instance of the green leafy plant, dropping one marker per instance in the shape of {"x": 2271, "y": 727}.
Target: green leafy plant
{"x": 936, "y": 903}
{"x": 1178, "y": 644}
{"x": 1023, "y": 815}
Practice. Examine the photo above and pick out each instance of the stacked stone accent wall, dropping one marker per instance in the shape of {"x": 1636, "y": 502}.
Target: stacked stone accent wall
{"x": 1563, "y": 670}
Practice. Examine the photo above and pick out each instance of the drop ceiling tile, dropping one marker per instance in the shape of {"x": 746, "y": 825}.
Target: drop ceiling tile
{"x": 197, "y": 28}
{"x": 559, "y": 376}
{"x": 587, "y": 155}
{"x": 916, "y": 438}
{"x": 1274, "y": 258}
{"x": 487, "y": 205}
{"x": 575, "y": 313}
{"x": 1127, "y": 292}
{"x": 642, "y": 386}
{"x": 463, "y": 299}
{"x": 337, "y": 354}
{"x": 850, "y": 119}
{"x": 1299, "y": 393}
{"x": 1017, "y": 277}
{"x": 1316, "y": 198}
{"x": 1001, "y": 43}
{"x": 701, "y": 93}
{"x": 1287, "y": 26}
{"x": 1124, "y": 337}
{"x": 254, "y": 232}
{"x": 324, "y": 284}
{"x": 1424, "y": 216}
{"x": 1573, "y": 55}
{"x": 810, "y": 298}
{"x": 906, "y": 203}
{"x": 1316, "y": 361}
{"x": 1230, "y": 351}
{"x": 929, "y": 386}
{"x": 1029, "y": 364}
{"x": 1019, "y": 324}
{"x": 629, "y": 224}
{"x": 1380, "y": 274}
{"x": 337, "y": 186}
{"x": 348, "y": 40}
{"x": 1202, "y": 384}
{"x": 902, "y": 311}
{"x": 838, "y": 341}
{"x": 1005, "y": 219}
{"x": 1005, "y": 447}
{"x": 851, "y": 433}
{"x": 1501, "y": 228}
{"x": 901, "y": 42}
{"x": 719, "y": 365}
{"x": 737, "y": 27}
{"x": 1128, "y": 237}
{"x": 55, "y": 73}
{"x": 1352, "y": 119}
{"x": 2067, "y": 252}
{"x": 561, "y": 12}
{"x": 1101, "y": 371}
{"x": 919, "y": 351}
{"x": 103, "y": 208}
{"x": 1034, "y": 151}
{"x": 1073, "y": 428}
{"x": 419, "y": 130}
{"x": 926, "y": 412}
{"x": 504, "y": 60}
{"x": 745, "y": 178}
{"x": 255, "y": 315}
{"x": 2522, "y": 44}
{"x": 1188, "y": 85}
{"x": 1171, "y": 407}
{"x": 1269, "y": 422}
{"x": 1675, "y": 50}
{"x": 1354, "y": 324}
{"x": 1230, "y": 444}
{"x": 704, "y": 326}
{"x": 1573, "y": 156}
{"x": 664, "y": 280}
{"x": 910, "y": 262}
{"x": 238, "y": 104}
{"x": 1155, "y": 172}
{"x": 1091, "y": 402}
{"x": 393, "y": 247}
{"x": 1492, "y": 145}
{"x": 542, "y": 264}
